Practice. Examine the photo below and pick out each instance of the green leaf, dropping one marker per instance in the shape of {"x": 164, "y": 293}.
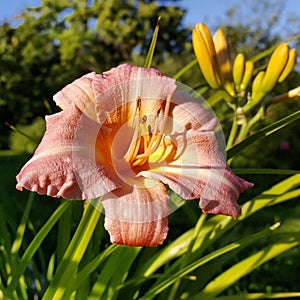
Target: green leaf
{"x": 4, "y": 232}
{"x": 262, "y": 133}
{"x": 254, "y": 296}
{"x": 148, "y": 61}
{"x": 89, "y": 268}
{"x": 268, "y": 51}
{"x": 68, "y": 267}
{"x": 185, "y": 69}
{"x": 64, "y": 233}
{"x": 166, "y": 282}
{"x": 114, "y": 273}
{"x": 22, "y": 226}
{"x": 218, "y": 225}
{"x": 265, "y": 171}
{"x": 244, "y": 267}
{"x": 35, "y": 244}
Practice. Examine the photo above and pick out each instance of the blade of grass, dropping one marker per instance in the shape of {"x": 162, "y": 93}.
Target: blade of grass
{"x": 168, "y": 280}
{"x": 184, "y": 261}
{"x": 35, "y": 244}
{"x": 74, "y": 253}
{"x": 64, "y": 233}
{"x": 256, "y": 296}
{"x": 149, "y": 57}
{"x": 244, "y": 267}
{"x": 265, "y": 171}
{"x": 4, "y": 232}
{"x": 217, "y": 225}
{"x": 22, "y": 226}
{"x": 114, "y": 273}
{"x": 89, "y": 268}
{"x": 185, "y": 69}
{"x": 262, "y": 133}
{"x": 21, "y": 132}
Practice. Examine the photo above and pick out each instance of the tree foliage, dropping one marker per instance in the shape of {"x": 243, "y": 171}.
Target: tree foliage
{"x": 62, "y": 40}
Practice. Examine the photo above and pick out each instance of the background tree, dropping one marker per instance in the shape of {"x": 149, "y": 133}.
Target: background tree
{"x": 62, "y": 40}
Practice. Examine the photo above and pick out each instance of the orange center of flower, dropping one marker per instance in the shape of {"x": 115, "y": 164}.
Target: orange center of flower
{"x": 134, "y": 136}
{"x": 146, "y": 137}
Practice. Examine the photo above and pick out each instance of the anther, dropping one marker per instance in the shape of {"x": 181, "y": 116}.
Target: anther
{"x": 138, "y": 102}
{"x": 143, "y": 119}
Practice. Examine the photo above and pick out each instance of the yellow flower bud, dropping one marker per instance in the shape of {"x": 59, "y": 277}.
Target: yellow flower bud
{"x": 275, "y": 67}
{"x": 206, "y": 55}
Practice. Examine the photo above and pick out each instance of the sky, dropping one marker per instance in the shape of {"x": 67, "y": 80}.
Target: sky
{"x": 207, "y": 11}
{"x": 200, "y": 8}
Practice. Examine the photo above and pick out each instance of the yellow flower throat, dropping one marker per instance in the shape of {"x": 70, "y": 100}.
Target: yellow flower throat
{"x": 146, "y": 138}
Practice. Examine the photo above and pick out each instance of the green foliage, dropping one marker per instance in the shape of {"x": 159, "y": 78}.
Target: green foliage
{"x": 60, "y": 250}
{"x": 19, "y": 140}
{"x": 199, "y": 261}
{"x": 62, "y": 40}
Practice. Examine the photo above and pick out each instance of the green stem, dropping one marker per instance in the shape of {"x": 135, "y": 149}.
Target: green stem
{"x": 233, "y": 130}
{"x": 256, "y": 118}
{"x": 21, "y": 228}
{"x": 74, "y": 253}
{"x": 248, "y": 125}
{"x": 244, "y": 130}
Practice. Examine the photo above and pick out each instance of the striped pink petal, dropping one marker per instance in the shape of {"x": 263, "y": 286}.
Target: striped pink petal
{"x": 80, "y": 92}
{"x": 120, "y": 87}
{"x": 64, "y": 163}
{"x": 123, "y": 135}
{"x": 137, "y": 216}
{"x": 198, "y": 170}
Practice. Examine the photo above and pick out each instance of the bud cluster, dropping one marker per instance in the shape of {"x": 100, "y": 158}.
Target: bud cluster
{"x": 212, "y": 53}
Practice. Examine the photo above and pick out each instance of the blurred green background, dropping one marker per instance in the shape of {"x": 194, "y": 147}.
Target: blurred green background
{"x": 59, "y": 41}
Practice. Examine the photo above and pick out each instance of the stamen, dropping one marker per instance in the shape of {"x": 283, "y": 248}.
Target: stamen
{"x": 158, "y": 111}
{"x": 157, "y": 137}
{"x": 143, "y": 119}
{"x": 166, "y": 112}
{"x": 138, "y": 103}
{"x": 134, "y": 145}
{"x": 149, "y": 130}
{"x": 152, "y": 137}
{"x": 136, "y": 150}
{"x": 135, "y": 139}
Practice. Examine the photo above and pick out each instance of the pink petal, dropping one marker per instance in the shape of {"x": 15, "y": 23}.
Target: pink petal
{"x": 64, "y": 163}
{"x": 122, "y": 86}
{"x": 199, "y": 170}
{"x": 80, "y": 93}
{"x": 137, "y": 216}
{"x": 189, "y": 114}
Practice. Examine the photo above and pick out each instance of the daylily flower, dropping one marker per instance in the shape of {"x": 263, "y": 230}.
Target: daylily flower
{"x": 123, "y": 136}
